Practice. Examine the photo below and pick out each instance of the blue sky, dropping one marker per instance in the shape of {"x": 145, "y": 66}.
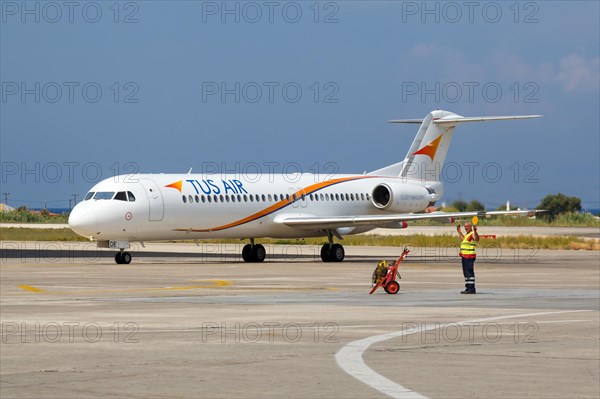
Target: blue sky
{"x": 298, "y": 85}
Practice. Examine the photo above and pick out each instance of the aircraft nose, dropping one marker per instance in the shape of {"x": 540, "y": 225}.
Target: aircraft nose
{"x": 83, "y": 221}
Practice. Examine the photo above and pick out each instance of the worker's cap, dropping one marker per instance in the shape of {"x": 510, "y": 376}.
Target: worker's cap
{"x": 382, "y": 263}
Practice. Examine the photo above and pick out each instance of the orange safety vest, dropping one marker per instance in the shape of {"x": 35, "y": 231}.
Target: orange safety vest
{"x": 467, "y": 246}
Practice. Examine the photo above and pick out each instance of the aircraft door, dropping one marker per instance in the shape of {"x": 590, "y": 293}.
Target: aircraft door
{"x": 155, "y": 200}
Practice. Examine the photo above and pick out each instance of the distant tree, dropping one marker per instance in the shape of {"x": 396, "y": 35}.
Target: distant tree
{"x": 556, "y": 204}
{"x": 475, "y": 206}
{"x": 22, "y": 208}
{"x": 460, "y": 205}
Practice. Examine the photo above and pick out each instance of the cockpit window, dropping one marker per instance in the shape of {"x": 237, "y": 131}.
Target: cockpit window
{"x": 121, "y": 196}
{"x": 104, "y": 195}
{"x": 131, "y": 196}
{"x": 89, "y": 196}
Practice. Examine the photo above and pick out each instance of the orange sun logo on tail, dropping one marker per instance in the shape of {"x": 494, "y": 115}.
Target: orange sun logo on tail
{"x": 177, "y": 185}
{"x": 431, "y": 148}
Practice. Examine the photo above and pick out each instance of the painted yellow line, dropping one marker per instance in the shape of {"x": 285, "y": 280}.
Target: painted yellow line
{"x": 30, "y": 288}
{"x": 214, "y": 284}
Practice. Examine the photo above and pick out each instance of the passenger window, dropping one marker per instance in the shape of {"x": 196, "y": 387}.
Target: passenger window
{"x": 184, "y": 199}
{"x": 130, "y": 196}
{"x": 121, "y": 196}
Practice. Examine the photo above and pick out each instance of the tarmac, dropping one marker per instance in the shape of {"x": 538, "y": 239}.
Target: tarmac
{"x": 188, "y": 321}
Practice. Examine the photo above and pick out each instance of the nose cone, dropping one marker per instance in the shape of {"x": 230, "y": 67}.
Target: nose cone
{"x": 83, "y": 221}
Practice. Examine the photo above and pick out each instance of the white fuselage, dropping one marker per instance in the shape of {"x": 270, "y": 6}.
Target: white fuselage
{"x": 194, "y": 206}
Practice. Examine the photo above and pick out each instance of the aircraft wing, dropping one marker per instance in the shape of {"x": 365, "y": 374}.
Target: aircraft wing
{"x": 321, "y": 223}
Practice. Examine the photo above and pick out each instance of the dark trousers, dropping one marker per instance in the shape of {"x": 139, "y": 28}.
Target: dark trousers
{"x": 468, "y": 266}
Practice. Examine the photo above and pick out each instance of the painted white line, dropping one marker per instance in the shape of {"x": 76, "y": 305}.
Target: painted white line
{"x": 350, "y": 357}
{"x": 560, "y": 321}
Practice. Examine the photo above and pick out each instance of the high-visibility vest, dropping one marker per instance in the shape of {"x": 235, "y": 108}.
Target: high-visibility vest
{"x": 467, "y": 246}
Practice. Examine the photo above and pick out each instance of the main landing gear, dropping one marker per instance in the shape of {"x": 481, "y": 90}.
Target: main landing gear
{"x": 123, "y": 258}
{"x": 331, "y": 252}
{"x": 253, "y": 252}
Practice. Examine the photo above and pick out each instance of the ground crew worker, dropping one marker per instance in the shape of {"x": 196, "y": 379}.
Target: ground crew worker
{"x": 467, "y": 253}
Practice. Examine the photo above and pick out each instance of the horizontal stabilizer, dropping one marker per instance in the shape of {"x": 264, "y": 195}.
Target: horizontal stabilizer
{"x": 406, "y": 121}
{"x": 463, "y": 119}
{"x": 443, "y": 121}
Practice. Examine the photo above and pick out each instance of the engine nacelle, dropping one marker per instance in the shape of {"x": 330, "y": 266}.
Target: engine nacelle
{"x": 401, "y": 198}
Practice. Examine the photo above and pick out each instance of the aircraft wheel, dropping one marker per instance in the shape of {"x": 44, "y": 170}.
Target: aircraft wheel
{"x": 258, "y": 253}
{"x": 125, "y": 258}
{"x": 392, "y": 287}
{"x": 247, "y": 253}
{"x": 325, "y": 253}
{"x": 119, "y": 258}
{"x": 337, "y": 253}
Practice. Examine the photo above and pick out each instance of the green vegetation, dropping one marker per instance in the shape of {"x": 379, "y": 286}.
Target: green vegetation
{"x": 571, "y": 219}
{"x": 23, "y": 215}
{"x": 18, "y": 234}
{"x": 559, "y": 204}
{"x": 462, "y": 206}
{"x": 414, "y": 240}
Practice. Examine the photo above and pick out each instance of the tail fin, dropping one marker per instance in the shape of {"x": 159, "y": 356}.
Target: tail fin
{"x": 426, "y": 156}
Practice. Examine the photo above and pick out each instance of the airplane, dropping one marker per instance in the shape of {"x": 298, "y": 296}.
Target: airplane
{"x": 143, "y": 207}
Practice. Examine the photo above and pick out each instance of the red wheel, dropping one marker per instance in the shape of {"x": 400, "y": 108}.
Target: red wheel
{"x": 392, "y": 287}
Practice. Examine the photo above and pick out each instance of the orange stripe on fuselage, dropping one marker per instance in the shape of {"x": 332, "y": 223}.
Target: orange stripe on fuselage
{"x": 280, "y": 205}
